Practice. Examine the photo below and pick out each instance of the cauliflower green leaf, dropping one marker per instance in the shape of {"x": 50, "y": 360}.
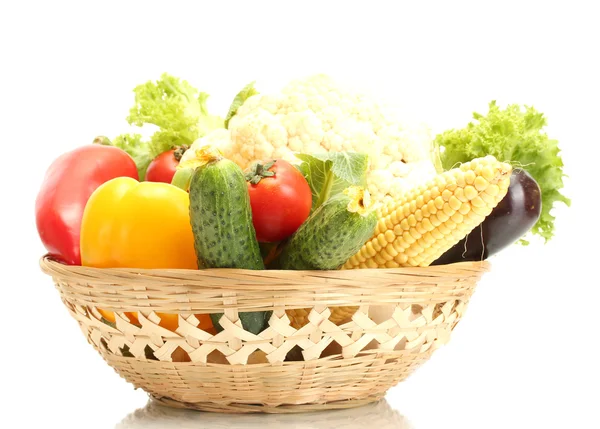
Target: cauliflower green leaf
{"x": 328, "y": 174}
{"x": 246, "y": 92}
{"x": 515, "y": 135}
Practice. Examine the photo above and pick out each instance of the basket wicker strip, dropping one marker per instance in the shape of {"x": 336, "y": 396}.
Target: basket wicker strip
{"x": 398, "y": 318}
{"x": 235, "y": 388}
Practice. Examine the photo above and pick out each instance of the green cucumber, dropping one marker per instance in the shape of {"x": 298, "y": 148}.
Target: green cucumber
{"x": 221, "y": 219}
{"x": 332, "y": 234}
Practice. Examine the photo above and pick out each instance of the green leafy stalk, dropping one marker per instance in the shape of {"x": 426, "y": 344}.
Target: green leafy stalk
{"x": 328, "y": 174}
{"x": 515, "y": 135}
{"x": 246, "y": 92}
{"x": 327, "y": 186}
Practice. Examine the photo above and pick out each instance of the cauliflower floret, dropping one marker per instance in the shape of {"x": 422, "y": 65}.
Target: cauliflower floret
{"x": 317, "y": 114}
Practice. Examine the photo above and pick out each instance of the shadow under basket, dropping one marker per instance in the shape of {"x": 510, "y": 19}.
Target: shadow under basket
{"x": 336, "y": 339}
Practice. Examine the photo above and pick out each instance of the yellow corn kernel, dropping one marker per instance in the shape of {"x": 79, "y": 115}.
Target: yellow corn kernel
{"x": 439, "y": 203}
{"x": 391, "y": 250}
{"x": 492, "y": 190}
{"x": 464, "y": 209}
{"x": 449, "y": 211}
{"x": 435, "y": 233}
{"x": 426, "y": 223}
{"x": 412, "y": 221}
{"x": 385, "y": 255}
{"x": 379, "y": 259}
{"x": 470, "y": 192}
{"x": 470, "y": 177}
{"x": 480, "y": 183}
{"x": 431, "y": 208}
{"x": 442, "y": 216}
{"x": 404, "y": 224}
{"x": 398, "y": 230}
{"x": 414, "y": 233}
{"x": 370, "y": 251}
{"x": 459, "y": 194}
{"x": 478, "y": 202}
{"x": 408, "y": 238}
{"x": 389, "y": 236}
{"x": 488, "y": 199}
{"x": 401, "y": 259}
{"x": 435, "y": 221}
{"x": 457, "y": 218}
{"x": 454, "y": 203}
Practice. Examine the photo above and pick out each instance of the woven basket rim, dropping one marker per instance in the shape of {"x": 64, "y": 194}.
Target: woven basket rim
{"x": 51, "y": 266}
{"x": 215, "y": 290}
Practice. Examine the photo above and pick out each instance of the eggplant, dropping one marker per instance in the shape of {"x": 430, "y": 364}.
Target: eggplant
{"x": 512, "y": 218}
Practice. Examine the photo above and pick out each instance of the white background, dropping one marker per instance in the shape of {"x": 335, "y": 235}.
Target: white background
{"x": 525, "y": 354}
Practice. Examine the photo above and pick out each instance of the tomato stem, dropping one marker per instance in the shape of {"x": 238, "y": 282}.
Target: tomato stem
{"x": 179, "y": 151}
{"x": 259, "y": 171}
{"x": 102, "y": 140}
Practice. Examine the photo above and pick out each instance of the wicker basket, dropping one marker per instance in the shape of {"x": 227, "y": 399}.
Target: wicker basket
{"x": 401, "y": 317}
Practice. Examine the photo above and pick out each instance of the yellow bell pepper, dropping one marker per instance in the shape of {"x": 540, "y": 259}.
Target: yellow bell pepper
{"x": 137, "y": 225}
{"x": 129, "y": 224}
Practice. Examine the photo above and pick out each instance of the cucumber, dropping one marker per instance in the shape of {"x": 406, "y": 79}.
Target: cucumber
{"x": 221, "y": 219}
{"x": 332, "y": 234}
{"x": 252, "y": 321}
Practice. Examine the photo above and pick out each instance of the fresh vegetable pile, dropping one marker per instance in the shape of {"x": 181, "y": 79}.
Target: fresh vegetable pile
{"x": 314, "y": 177}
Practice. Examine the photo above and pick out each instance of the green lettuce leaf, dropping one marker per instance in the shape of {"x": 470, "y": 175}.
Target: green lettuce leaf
{"x": 328, "y": 174}
{"x": 246, "y": 92}
{"x": 515, "y": 135}
{"x": 178, "y": 109}
{"x": 133, "y": 144}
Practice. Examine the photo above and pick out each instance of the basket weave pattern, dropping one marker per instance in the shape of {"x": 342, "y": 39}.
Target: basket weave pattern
{"x": 397, "y": 318}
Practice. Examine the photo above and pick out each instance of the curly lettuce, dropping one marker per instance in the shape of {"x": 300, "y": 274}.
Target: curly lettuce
{"x": 178, "y": 110}
{"x": 515, "y": 135}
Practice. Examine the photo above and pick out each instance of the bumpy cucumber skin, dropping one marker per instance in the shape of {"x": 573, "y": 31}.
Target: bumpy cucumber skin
{"x": 221, "y": 218}
{"x": 224, "y": 237}
{"x": 252, "y": 321}
{"x": 328, "y": 238}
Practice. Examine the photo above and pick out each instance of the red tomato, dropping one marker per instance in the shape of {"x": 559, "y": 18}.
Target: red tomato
{"x": 280, "y": 202}
{"x": 66, "y": 188}
{"x": 162, "y": 168}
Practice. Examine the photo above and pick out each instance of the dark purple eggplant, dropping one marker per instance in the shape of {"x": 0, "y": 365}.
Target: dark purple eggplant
{"x": 512, "y": 218}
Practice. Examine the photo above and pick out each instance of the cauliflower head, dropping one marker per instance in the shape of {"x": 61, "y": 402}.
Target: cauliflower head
{"x": 317, "y": 114}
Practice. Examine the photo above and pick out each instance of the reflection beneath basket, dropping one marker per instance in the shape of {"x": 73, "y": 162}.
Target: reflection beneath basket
{"x": 378, "y": 415}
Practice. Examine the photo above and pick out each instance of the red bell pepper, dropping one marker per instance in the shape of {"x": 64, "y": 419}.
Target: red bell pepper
{"x": 66, "y": 188}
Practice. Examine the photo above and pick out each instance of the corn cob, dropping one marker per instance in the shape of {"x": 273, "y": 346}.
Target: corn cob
{"x": 419, "y": 227}
{"x": 299, "y": 317}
